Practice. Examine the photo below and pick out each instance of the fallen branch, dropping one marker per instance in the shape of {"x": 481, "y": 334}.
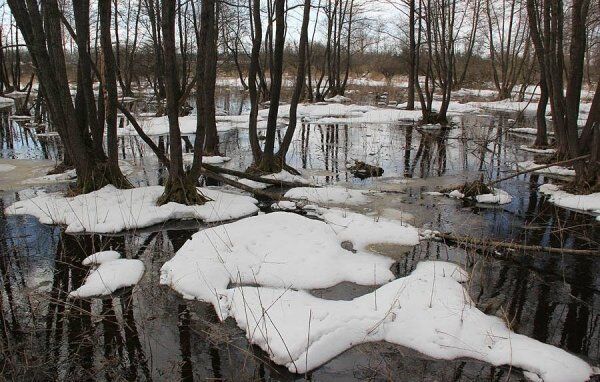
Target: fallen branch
{"x": 243, "y": 187}
{"x": 538, "y": 168}
{"x": 466, "y": 241}
{"x": 256, "y": 178}
{"x": 159, "y": 153}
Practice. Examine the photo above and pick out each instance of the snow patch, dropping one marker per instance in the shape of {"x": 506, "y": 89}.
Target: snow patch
{"x": 363, "y": 230}
{"x": 278, "y": 249}
{"x": 109, "y": 277}
{"x": 338, "y": 99}
{"x": 329, "y": 195}
{"x": 101, "y": 257}
{"x": 429, "y": 311}
{"x": 6, "y": 167}
{"x": 497, "y": 197}
{"x": 247, "y": 182}
{"x": 110, "y": 209}
{"x": 285, "y": 176}
{"x": 586, "y": 203}
{"x": 188, "y": 158}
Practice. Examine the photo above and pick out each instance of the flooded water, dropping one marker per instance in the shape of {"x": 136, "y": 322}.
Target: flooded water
{"x": 150, "y": 333}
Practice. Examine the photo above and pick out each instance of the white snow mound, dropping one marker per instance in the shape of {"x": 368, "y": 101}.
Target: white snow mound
{"x": 110, "y": 276}
{"x": 283, "y": 250}
{"x": 586, "y": 203}
{"x": 101, "y": 257}
{"x": 428, "y": 311}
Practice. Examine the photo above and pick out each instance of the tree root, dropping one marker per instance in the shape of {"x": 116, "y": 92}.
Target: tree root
{"x": 182, "y": 192}
{"x": 471, "y": 189}
{"x": 433, "y": 118}
{"x": 102, "y": 175}
{"x": 60, "y": 168}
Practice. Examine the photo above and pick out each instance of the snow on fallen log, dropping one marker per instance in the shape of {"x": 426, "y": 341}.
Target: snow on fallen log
{"x": 110, "y": 209}
{"x": 497, "y": 196}
{"x": 429, "y": 311}
{"x": 552, "y": 170}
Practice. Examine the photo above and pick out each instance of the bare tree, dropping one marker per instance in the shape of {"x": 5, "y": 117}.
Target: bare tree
{"x": 80, "y": 133}
{"x": 181, "y": 185}
{"x": 508, "y": 40}
{"x": 438, "y": 19}
{"x": 546, "y": 21}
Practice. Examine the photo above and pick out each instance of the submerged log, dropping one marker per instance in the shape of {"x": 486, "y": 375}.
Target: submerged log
{"x": 364, "y": 170}
{"x": 467, "y": 241}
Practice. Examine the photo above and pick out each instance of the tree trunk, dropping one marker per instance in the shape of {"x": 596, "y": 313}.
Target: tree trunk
{"x": 268, "y": 162}
{"x": 412, "y": 52}
{"x": 541, "y": 137}
{"x": 41, "y": 29}
{"x": 300, "y": 78}
{"x": 179, "y": 188}
{"x": 208, "y": 45}
{"x": 110, "y": 83}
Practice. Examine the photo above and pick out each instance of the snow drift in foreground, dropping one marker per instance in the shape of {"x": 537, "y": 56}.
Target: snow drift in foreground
{"x": 111, "y": 274}
{"x": 586, "y": 203}
{"x": 284, "y": 250}
{"x": 428, "y": 311}
{"x": 110, "y": 209}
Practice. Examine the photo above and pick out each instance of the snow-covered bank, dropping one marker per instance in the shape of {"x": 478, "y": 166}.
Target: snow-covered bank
{"x": 284, "y": 250}
{"x": 110, "y": 209}
{"x": 585, "y": 203}
{"x": 429, "y": 311}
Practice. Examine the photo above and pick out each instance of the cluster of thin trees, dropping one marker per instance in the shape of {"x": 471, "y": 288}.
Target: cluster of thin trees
{"x": 83, "y": 121}
{"x": 546, "y": 42}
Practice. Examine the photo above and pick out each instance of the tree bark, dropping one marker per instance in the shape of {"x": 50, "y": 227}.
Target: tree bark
{"x": 179, "y": 188}
{"x": 110, "y": 83}
{"x": 268, "y": 162}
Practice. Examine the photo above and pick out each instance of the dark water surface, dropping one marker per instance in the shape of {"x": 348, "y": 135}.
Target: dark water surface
{"x": 150, "y": 333}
